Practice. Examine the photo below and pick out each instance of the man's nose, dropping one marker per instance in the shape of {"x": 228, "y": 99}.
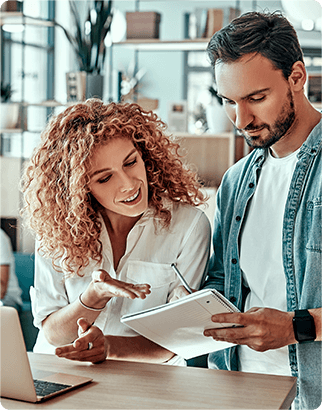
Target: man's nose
{"x": 243, "y": 116}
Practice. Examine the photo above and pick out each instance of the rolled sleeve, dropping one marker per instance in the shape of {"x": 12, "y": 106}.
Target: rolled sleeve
{"x": 48, "y": 293}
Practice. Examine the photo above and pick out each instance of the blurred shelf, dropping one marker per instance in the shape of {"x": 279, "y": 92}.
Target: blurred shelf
{"x": 162, "y": 45}
{"x": 13, "y": 17}
{"x": 46, "y": 104}
{"x": 11, "y": 131}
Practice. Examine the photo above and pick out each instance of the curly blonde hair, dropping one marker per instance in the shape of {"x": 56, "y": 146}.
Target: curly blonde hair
{"x": 58, "y": 205}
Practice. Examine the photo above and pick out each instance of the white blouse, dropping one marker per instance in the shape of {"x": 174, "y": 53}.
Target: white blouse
{"x": 147, "y": 259}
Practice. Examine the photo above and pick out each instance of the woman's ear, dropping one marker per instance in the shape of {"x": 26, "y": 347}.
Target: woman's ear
{"x": 298, "y": 76}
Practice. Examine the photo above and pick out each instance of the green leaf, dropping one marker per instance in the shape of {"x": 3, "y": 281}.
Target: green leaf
{"x": 90, "y": 48}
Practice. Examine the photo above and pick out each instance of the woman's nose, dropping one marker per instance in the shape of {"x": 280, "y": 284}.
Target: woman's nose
{"x": 126, "y": 182}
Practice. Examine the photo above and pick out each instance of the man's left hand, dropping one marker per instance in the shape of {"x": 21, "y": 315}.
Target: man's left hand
{"x": 261, "y": 328}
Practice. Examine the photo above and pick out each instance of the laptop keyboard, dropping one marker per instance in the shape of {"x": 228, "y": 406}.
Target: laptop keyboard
{"x": 44, "y": 388}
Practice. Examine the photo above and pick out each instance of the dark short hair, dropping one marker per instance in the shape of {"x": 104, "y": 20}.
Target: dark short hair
{"x": 269, "y": 34}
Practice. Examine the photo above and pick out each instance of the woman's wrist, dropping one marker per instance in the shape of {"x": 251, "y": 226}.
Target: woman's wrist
{"x": 96, "y": 309}
{"x": 90, "y": 300}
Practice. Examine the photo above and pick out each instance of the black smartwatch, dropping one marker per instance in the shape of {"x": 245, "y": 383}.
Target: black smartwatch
{"x": 304, "y": 327}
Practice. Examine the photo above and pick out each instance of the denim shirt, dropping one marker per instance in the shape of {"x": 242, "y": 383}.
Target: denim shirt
{"x": 302, "y": 253}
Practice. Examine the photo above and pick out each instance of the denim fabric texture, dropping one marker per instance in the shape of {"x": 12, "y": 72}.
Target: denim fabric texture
{"x": 302, "y": 253}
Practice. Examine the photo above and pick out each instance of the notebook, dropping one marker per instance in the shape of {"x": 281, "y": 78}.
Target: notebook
{"x": 178, "y": 326}
{"x": 16, "y": 377}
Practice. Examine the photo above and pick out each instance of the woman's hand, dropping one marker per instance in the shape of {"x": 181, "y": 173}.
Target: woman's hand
{"x": 103, "y": 287}
{"x": 90, "y": 346}
{"x": 179, "y": 293}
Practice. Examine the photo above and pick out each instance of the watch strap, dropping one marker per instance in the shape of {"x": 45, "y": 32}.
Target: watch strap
{"x": 304, "y": 326}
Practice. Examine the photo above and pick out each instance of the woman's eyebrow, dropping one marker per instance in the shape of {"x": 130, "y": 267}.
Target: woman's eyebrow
{"x": 99, "y": 171}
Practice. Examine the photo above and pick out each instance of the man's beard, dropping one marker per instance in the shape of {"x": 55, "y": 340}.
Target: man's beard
{"x": 283, "y": 123}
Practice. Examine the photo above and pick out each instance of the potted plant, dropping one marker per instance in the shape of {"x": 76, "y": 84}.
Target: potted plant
{"x": 90, "y": 50}
{"x": 9, "y": 118}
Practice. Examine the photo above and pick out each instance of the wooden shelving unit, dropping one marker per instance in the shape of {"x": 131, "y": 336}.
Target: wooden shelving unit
{"x": 210, "y": 154}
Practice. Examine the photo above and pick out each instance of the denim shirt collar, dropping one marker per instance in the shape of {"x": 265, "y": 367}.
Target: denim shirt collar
{"x": 313, "y": 144}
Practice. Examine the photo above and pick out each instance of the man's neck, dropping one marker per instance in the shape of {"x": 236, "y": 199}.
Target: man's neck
{"x": 304, "y": 123}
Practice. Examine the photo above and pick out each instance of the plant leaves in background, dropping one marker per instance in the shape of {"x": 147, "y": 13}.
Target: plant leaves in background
{"x": 88, "y": 40}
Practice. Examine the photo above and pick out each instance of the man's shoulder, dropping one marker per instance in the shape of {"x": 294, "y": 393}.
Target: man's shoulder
{"x": 236, "y": 171}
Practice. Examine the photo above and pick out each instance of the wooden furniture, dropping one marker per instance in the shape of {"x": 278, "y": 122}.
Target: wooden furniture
{"x": 210, "y": 154}
{"x": 129, "y": 385}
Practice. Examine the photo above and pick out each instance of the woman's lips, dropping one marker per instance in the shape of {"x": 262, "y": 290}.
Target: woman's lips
{"x": 134, "y": 198}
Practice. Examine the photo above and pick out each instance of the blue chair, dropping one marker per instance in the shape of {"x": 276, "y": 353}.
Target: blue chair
{"x": 25, "y": 263}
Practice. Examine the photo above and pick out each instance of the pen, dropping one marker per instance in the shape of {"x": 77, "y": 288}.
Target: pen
{"x": 185, "y": 284}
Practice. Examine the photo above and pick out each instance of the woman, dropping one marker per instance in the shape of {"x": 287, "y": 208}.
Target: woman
{"x": 112, "y": 207}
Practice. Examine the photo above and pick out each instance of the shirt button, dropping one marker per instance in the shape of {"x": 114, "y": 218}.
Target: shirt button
{"x": 251, "y": 185}
{"x": 238, "y": 218}
{"x": 232, "y": 299}
{"x": 234, "y": 261}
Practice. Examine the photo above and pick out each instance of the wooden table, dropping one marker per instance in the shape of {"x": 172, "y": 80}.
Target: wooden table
{"x": 129, "y": 385}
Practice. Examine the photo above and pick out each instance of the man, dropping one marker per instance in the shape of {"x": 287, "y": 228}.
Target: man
{"x": 267, "y": 228}
{"x": 10, "y": 290}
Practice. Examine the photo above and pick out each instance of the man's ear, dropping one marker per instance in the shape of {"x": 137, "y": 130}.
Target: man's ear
{"x": 298, "y": 76}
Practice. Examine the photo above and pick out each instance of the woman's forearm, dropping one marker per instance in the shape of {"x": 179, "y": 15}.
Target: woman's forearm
{"x": 61, "y": 328}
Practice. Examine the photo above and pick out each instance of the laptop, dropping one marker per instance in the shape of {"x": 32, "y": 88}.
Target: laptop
{"x": 16, "y": 378}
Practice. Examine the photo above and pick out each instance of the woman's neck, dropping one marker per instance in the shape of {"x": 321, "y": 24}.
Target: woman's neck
{"x": 119, "y": 224}
{"x": 118, "y": 228}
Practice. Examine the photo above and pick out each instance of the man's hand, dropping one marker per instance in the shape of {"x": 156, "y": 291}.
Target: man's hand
{"x": 262, "y": 328}
{"x": 103, "y": 287}
{"x": 90, "y": 346}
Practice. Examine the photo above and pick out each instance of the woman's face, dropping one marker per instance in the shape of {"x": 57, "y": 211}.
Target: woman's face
{"x": 118, "y": 179}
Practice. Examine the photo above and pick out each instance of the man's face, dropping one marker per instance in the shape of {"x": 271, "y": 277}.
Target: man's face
{"x": 257, "y": 99}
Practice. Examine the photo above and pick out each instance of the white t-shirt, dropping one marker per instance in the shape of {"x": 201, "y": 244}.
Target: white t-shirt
{"x": 147, "y": 259}
{"x": 261, "y": 257}
{"x": 13, "y": 294}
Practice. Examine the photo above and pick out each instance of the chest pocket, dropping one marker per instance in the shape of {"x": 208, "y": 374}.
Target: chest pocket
{"x": 158, "y": 276}
{"x": 315, "y": 222}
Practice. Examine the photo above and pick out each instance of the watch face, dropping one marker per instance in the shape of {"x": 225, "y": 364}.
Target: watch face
{"x": 304, "y": 329}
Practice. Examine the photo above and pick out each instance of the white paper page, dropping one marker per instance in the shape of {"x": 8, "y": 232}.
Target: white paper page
{"x": 179, "y": 327}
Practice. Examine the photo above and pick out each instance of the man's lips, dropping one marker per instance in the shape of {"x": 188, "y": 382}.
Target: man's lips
{"x": 253, "y": 130}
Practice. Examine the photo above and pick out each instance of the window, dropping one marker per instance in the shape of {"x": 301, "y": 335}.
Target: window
{"x": 27, "y": 64}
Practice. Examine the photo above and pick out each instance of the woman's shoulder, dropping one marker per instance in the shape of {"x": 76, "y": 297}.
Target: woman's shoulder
{"x": 187, "y": 214}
